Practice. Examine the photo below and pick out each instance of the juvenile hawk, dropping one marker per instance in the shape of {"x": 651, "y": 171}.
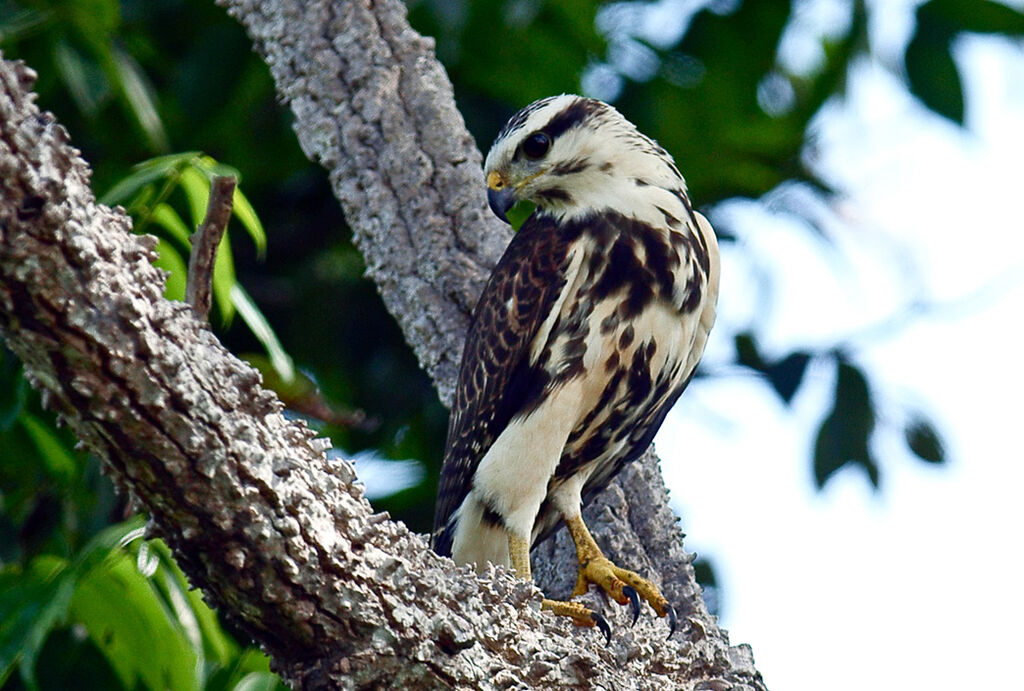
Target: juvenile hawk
{"x": 589, "y": 329}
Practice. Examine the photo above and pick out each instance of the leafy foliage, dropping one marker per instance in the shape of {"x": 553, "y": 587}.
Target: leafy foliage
{"x": 126, "y": 600}
{"x": 785, "y": 375}
{"x": 931, "y": 71}
{"x": 145, "y": 193}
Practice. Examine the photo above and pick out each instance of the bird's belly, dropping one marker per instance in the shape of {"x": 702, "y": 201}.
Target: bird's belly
{"x": 512, "y": 476}
{"x": 630, "y": 369}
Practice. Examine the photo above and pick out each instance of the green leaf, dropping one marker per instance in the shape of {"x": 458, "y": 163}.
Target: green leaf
{"x": 518, "y": 214}
{"x": 260, "y": 328}
{"x": 33, "y": 600}
{"x": 924, "y": 440}
{"x": 258, "y": 681}
{"x": 123, "y": 189}
{"x": 154, "y": 632}
{"x": 210, "y": 167}
{"x": 249, "y": 669}
{"x": 196, "y": 185}
{"x": 786, "y": 374}
{"x": 977, "y": 16}
{"x": 101, "y": 544}
{"x": 138, "y": 93}
{"x": 36, "y": 599}
{"x": 145, "y": 173}
{"x": 70, "y": 661}
{"x": 845, "y": 432}
{"x": 149, "y": 645}
{"x": 167, "y": 218}
{"x": 95, "y": 19}
{"x": 170, "y": 261}
{"x": 246, "y": 215}
{"x": 189, "y": 606}
{"x": 224, "y": 281}
{"x": 931, "y": 72}
{"x": 82, "y": 77}
{"x": 19, "y": 24}
{"x": 171, "y": 162}
{"x": 59, "y": 463}
{"x": 747, "y": 353}
{"x": 253, "y": 660}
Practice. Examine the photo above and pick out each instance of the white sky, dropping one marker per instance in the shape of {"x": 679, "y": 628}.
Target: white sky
{"x": 919, "y": 585}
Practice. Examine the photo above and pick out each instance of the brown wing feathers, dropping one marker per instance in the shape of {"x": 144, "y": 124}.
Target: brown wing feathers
{"x": 496, "y": 381}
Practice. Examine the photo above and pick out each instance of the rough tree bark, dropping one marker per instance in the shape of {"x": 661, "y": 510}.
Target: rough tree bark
{"x": 279, "y": 538}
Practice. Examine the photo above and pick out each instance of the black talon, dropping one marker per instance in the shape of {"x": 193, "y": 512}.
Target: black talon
{"x": 671, "y": 621}
{"x": 602, "y": 624}
{"x": 634, "y": 599}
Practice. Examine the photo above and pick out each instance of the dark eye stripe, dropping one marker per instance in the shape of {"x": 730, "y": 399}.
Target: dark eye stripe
{"x": 571, "y": 116}
{"x": 519, "y": 119}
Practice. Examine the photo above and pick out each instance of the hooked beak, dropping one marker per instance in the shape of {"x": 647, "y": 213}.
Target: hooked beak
{"x": 501, "y": 196}
{"x": 501, "y": 201}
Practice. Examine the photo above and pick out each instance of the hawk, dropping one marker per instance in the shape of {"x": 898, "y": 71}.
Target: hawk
{"x": 587, "y": 332}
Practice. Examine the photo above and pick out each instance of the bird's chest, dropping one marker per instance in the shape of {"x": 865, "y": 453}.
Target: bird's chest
{"x": 626, "y": 300}
{"x": 629, "y": 368}
{"x": 622, "y": 329}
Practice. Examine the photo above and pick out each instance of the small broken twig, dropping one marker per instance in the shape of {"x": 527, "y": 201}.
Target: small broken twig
{"x": 206, "y": 239}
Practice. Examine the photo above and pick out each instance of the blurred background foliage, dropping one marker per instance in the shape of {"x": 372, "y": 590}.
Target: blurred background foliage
{"x": 161, "y": 94}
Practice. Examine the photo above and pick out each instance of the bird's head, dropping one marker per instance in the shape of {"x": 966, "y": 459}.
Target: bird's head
{"x": 573, "y": 156}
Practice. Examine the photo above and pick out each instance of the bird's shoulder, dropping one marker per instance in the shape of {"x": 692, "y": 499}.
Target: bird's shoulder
{"x": 521, "y": 293}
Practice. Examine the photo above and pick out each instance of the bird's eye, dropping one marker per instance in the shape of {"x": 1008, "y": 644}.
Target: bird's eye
{"x": 536, "y": 145}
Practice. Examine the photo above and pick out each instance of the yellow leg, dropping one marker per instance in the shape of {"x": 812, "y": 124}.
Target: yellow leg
{"x": 519, "y": 555}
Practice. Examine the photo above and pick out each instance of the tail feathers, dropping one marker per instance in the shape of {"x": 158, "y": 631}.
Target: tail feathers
{"x": 442, "y": 538}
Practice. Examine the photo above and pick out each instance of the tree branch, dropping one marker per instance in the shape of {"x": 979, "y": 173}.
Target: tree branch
{"x": 205, "y": 241}
{"x": 280, "y": 539}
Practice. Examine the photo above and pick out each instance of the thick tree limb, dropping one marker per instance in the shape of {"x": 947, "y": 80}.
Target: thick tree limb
{"x": 278, "y": 537}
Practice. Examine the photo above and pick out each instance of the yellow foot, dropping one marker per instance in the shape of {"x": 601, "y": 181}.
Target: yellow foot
{"x": 622, "y": 585}
{"x": 580, "y": 615}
